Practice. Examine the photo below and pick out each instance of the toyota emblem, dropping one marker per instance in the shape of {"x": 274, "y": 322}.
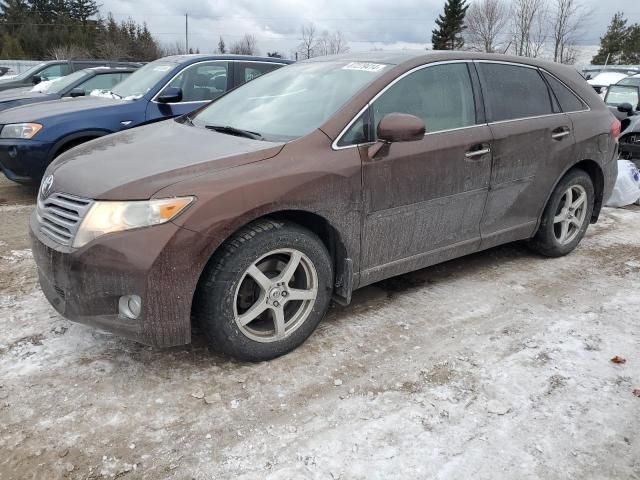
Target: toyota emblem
{"x": 45, "y": 188}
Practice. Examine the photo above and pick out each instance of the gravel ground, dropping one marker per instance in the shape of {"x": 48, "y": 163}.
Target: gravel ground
{"x": 493, "y": 366}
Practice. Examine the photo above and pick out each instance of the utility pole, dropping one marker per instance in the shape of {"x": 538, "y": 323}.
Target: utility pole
{"x": 186, "y": 32}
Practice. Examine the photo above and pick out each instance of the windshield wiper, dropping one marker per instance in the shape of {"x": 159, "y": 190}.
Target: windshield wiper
{"x": 235, "y": 131}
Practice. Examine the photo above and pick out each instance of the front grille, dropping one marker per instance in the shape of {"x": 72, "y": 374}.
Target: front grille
{"x": 60, "y": 215}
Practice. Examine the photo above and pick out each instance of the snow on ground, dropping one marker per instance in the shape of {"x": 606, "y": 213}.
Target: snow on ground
{"x": 493, "y": 366}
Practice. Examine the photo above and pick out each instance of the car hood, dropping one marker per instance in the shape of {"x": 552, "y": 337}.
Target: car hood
{"x": 42, "y": 111}
{"x": 19, "y": 94}
{"x": 136, "y": 163}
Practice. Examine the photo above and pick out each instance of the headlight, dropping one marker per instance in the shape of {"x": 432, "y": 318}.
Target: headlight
{"x": 108, "y": 217}
{"x": 20, "y": 130}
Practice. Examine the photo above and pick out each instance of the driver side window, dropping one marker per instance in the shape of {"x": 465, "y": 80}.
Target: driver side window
{"x": 442, "y": 96}
{"x": 202, "y": 82}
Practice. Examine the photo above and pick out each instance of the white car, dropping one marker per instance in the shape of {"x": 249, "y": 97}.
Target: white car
{"x": 602, "y": 81}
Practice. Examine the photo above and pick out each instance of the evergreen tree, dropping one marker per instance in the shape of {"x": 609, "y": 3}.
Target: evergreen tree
{"x": 450, "y": 24}
{"x": 631, "y": 46}
{"x": 612, "y": 44}
{"x": 83, "y": 9}
{"x": 221, "y": 46}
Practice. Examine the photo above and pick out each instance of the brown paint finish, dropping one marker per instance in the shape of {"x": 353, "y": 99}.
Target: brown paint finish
{"x": 414, "y": 203}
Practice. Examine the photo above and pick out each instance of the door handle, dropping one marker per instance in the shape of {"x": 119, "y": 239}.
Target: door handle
{"x": 560, "y": 133}
{"x": 477, "y": 153}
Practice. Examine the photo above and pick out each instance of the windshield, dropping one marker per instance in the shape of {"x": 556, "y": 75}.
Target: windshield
{"x": 27, "y": 73}
{"x": 61, "y": 84}
{"x": 291, "y": 101}
{"x": 143, "y": 80}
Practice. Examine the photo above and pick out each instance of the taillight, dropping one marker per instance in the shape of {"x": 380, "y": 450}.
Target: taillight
{"x": 616, "y": 127}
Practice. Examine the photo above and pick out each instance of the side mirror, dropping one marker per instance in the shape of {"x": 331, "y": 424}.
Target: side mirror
{"x": 626, "y": 108}
{"x": 400, "y": 127}
{"x": 397, "y": 127}
{"x": 170, "y": 95}
{"x": 77, "y": 92}
{"x": 36, "y": 79}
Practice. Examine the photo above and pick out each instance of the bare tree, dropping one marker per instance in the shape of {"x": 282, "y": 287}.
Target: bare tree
{"x": 529, "y": 19}
{"x": 248, "y": 45}
{"x": 68, "y": 52}
{"x": 307, "y": 45}
{"x": 176, "y": 48}
{"x": 567, "y": 16}
{"x": 338, "y": 44}
{"x": 486, "y": 21}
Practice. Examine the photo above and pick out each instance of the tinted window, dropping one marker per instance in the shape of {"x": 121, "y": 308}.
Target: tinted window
{"x": 513, "y": 92}
{"x": 105, "y": 81}
{"x": 248, "y": 71}
{"x": 441, "y": 95}
{"x": 568, "y": 101}
{"x": 202, "y": 82}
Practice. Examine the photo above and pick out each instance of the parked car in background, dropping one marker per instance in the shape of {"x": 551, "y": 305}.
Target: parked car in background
{"x": 249, "y": 215}
{"x": 77, "y": 84}
{"x": 601, "y": 81}
{"x": 55, "y": 69}
{"x": 633, "y": 80}
{"x": 31, "y": 136}
{"x": 624, "y": 102}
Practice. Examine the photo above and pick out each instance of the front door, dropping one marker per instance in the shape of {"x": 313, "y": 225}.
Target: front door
{"x": 424, "y": 199}
{"x": 200, "y": 83}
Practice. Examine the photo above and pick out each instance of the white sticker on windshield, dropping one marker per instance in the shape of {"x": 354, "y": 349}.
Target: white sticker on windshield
{"x": 162, "y": 68}
{"x": 367, "y": 67}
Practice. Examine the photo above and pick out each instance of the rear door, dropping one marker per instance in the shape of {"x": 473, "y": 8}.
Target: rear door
{"x": 200, "y": 83}
{"x": 532, "y": 139}
{"x": 424, "y": 199}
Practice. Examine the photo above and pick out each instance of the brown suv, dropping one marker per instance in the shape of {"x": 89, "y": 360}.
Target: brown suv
{"x": 249, "y": 215}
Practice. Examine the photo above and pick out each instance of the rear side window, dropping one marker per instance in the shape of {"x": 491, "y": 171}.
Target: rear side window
{"x": 512, "y": 92}
{"x": 440, "y": 95}
{"x": 568, "y": 101}
{"x": 245, "y": 72}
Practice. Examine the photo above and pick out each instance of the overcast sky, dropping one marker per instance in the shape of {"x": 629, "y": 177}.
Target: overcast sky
{"x": 276, "y": 24}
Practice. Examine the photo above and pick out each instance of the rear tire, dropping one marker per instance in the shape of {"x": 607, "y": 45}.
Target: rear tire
{"x": 265, "y": 291}
{"x": 567, "y": 215}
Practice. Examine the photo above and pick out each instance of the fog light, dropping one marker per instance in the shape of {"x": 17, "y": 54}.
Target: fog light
{"x": 130, "y": 306}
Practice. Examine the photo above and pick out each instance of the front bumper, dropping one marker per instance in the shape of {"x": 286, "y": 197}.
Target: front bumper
{"x": 155, "y": 263}
{"x": 24, "y": 161}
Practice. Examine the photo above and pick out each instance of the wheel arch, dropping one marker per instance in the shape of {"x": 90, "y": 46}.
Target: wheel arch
{"x": 594, "y": 170}
{"x": 316, "y": 223}
{"x": 74, "y": 139}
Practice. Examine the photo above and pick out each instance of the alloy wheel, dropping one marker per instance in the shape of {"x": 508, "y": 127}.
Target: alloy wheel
{"x": 275, "y": 295}
{"x": 570, "y": 215}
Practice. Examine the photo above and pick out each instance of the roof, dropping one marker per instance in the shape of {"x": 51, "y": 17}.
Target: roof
{"x": 392, "y": 57}
{"x": 204, "y": 57}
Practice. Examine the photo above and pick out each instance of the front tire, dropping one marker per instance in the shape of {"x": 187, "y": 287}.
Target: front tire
{"x": 265, "y": 291}
{"x": 566, "y": 216}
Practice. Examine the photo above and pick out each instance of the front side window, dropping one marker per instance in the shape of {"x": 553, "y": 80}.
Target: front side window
{"x": 63, "y": 84}
{"x": 202, "y": 82}
{"x": 54, "y": 71}
{"x": 441, "y": 95}
{"x": 619, "y": 94}
{"x": 512, "y": 92}
{"x": 291, "y": 101}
